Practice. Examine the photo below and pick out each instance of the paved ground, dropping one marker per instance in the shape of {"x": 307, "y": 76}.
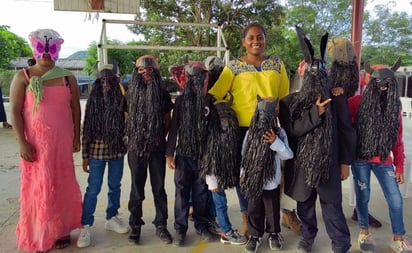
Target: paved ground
{"x": 105, "y": 241}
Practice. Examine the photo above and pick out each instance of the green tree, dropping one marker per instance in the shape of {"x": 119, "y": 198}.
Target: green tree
{"x": 317, "y": 17}
{"x": 123, "y": 57}
{"x": 232, "y": 16}
{"x": 387, "y": 36}
{"x": 11, "y": 47}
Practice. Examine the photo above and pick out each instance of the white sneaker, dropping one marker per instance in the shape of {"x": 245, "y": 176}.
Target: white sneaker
{"x": 400, "y": 246}
{"x": 117, "y": 225}
{"x": 366, "y": 243}
{"x": 84, "y": 238}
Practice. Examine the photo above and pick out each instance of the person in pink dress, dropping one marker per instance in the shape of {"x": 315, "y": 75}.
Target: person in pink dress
{"x": 45, "y": 109}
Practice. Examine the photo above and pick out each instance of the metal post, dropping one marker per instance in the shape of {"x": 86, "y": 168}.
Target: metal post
{"x": 357, "y": 22}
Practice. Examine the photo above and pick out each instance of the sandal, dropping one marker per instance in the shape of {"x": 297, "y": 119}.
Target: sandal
{"x": 63, "y": 242}
{"x": 7, "y": 125}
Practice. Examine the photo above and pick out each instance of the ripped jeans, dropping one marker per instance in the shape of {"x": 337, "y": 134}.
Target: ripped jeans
{"x": 386, "y": 177}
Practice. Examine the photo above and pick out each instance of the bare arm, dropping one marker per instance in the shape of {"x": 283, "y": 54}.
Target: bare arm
{"x": 76, "y": 112}
{"x": 17, "y": 91}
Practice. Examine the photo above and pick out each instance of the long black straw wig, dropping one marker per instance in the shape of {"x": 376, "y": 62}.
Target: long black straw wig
{"x": 221, "y": 156}
{"x": 104, "y": 120}
{"x": 312, "y": 154}
{"x": 145, "y": 128}
{"x": 377, "y": 121}
{"x": 258, "y": 160}
{"x": 345, "y": 75}
{"x": 192, "y": 120}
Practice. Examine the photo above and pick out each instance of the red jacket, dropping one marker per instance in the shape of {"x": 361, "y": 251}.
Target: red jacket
{"x": 397, "y": 150}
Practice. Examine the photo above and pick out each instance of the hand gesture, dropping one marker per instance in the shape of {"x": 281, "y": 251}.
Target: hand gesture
{"x": 322, "y": 105}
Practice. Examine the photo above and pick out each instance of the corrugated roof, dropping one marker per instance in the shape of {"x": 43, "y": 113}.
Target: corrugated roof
{"x": 70, "y": 64}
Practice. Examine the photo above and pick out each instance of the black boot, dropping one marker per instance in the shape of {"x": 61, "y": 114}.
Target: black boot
{"x": 134, "y": 235}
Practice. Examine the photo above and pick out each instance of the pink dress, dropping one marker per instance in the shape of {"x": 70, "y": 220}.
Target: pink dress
{"x": 50, "y": 197}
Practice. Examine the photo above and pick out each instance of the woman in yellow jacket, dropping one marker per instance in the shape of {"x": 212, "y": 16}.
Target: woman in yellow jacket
{"x": 251, "y": 75}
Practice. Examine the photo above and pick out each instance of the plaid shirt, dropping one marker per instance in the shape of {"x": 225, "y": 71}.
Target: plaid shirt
{"x": 100, "y": 151}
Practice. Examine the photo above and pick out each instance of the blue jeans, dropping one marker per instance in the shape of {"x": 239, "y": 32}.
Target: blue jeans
{"x": 219, "y": 198}
{"x": 95, "y": 181}
{"x": 386, "y": 177}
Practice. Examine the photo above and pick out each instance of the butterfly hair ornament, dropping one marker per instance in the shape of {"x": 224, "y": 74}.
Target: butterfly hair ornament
{"x": 45, "y": 41}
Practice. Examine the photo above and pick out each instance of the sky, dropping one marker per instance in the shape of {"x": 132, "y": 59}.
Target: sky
{"x": 78, "y": 32}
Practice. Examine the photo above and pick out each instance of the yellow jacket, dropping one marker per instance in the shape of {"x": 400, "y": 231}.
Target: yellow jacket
{"x": 244, "y": 83}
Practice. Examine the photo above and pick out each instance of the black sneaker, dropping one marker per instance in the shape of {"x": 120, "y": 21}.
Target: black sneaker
{"x": 304, "y": 246}
{"x": 179, "y": 239}
{"x": 253, "y": 244}
{"x": 163, "y": 234}
{"x": 214, "y": 228}
{"x": 134, "y": 235}
{"x": 233, "y": 238}
{"x": 275, "y": 241}
{"x": 206, "y": 236}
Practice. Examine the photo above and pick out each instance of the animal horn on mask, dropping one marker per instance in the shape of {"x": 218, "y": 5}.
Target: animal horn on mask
{"x": 323, "y": 44}
{"x": 228, "y": 99}
{"x": 230, "y": 102}
{"x": 384, "y": 72}
{"x": 307, "y": 48}
{"x": 305, "y": 45}
{"x": 396, "y": 65}
{"x": 368, "y": 68}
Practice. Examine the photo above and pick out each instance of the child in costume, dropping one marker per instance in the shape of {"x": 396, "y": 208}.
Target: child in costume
{"x": 264, "y": 146}
{"x": 316, "y": 123}
{"x": 220, "y": 162}
{"x": 149, "y": 107}
{"x": 185, "y": 144}
{"x": 103, "y": 144}
{"x": 378, "y": 122}
{"x": 46, "y": 119}
{"x": 344, "y": 76}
